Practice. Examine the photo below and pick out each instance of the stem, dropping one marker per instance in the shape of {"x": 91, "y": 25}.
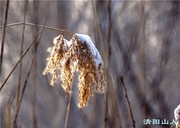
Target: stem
{"x": 142, "y": 52}
{"x": 37, "y": 25}
{"x": 68, "y": 109}
{"x": 21, "y": 52}
{"x": 19, "y": 61}
{"x": 22, "y": 93}
{"x": 3, "y": 34}
{"x": 127, "y": 98}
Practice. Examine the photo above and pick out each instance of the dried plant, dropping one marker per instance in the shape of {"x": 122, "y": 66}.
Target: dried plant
{"x": 177, "y": 116}
{"x": 77, "y": 55}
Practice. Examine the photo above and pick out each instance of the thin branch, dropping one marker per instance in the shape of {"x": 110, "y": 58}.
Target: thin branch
{"x": 37, "y": 25}
{"x": 110, "y": 91}
{"x": 21, "y": 52}
{"x": 3, "y": 34}
{"x": 142, "y": 53}
{"x": 22, "y": 93}
{"x": 114, "y": 99}
{"x": 34, "y": 67}
{"x": 98, "y": 26}
{"x": 27, "y": 77}
{"x": 127, "y": 98}
{"x": 105, "y": 114}
{"x": 68, "y": 109}
{"x": 105, "y": 111}
{"x": 19, "y": 61}
{"x": 108, "y": 36}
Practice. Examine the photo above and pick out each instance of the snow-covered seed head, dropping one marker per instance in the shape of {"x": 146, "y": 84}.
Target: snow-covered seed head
{"x": 177, "y": 116}
{"x": 77, "y": 55}
{"x": 90, "y": 66}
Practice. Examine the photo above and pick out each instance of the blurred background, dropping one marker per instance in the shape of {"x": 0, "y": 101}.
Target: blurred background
{"x": 138, "y": 41}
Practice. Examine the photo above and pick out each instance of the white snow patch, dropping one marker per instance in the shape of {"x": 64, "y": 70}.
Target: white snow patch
{"x": 86, "y": 39}
{"x": 56, "y": 39}
{"x": 67, "y": 43}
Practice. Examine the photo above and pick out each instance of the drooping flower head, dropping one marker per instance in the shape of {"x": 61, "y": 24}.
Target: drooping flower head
{"x": 77, "y": 55}
{"x": 177, "y": 115}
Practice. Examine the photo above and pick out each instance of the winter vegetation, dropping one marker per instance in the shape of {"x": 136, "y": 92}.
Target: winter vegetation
{"x": 122, "y": 71}
{"x": 177, "y": 116}
{"x": 78, "y": 54}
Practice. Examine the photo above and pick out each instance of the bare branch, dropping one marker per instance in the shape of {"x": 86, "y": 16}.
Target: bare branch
{"x": 3, "y": 34}
{"x": 19, "y": 61}
{"x": 127, "y": 98}
{"x": 37, "y": 25}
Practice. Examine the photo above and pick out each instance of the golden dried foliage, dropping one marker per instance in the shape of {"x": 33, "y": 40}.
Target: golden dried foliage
{"x": 76, "y": 55}
{"x": 177, "y": 116}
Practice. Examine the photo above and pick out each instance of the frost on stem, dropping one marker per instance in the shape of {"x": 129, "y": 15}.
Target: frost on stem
{"x": 77, "y": 55}
{"x": 177, "y": 116}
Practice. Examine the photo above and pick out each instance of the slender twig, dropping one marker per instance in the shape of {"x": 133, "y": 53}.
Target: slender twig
{"x": 109, "y": 89}
{"x": 47, "y": 27}
{"x": 67, "y": 111}
{"x": 8, "y": 113}
{"x": 68, "y": 107}
{"x": 105, "y": 112}
{"x": 108, "y": 39}
{"x": 143, "y": 56}
{"x": 27, "y": 77}
{"x": 98, "y": 26}
{"x": 21, "y": 52}
{"x": 22, "y": 93}
{"x": 3, "y": 34}
{"x": 19, "y": 61}
{"x": 108, "y": 36}
{"x": 127, "y": 98}
{"x": 34, "y": 67}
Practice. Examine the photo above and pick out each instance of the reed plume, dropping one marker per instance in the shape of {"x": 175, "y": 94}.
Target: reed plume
{"x": 77, "y": 55}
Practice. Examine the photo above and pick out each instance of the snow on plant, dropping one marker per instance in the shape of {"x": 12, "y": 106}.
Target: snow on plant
{"x": 177, "y": 116}
{"x": 77, "y": 55}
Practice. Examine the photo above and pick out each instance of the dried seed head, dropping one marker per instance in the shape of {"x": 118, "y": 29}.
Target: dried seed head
{"x": 91, "y": 76}
{"x": 177, "y": 115}
{"x": 58, "y": 61}
{"x": 77, "y": 55}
